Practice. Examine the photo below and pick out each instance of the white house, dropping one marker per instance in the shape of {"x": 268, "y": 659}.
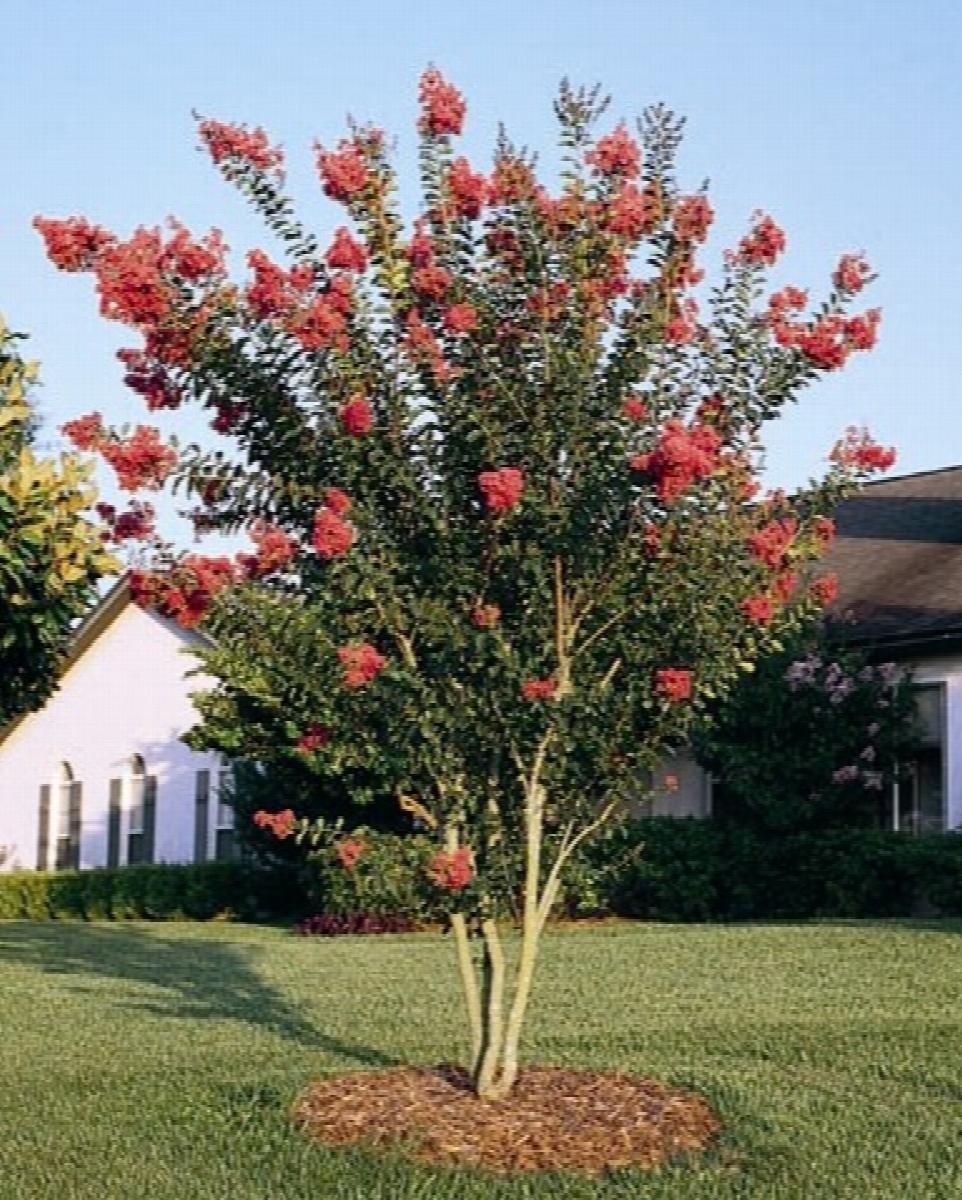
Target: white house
{"x": 99, "y": 776}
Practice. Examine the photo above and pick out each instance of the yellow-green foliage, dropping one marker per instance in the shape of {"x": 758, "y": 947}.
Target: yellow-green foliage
{"x": 51, "y": 553}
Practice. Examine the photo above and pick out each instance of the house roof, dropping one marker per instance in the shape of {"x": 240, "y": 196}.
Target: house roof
{"x": 107, "y": 609}
{"x": 898, "y": 557}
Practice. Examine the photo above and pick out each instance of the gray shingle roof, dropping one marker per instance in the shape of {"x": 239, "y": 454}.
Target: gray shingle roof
{"x": 898, "y": 557}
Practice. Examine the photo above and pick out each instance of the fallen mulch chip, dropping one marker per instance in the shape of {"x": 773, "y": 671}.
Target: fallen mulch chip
{"x": 554, "y": 1119}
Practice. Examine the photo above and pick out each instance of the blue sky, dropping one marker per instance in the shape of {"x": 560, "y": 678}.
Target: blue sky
{"x": 840, "y": 118}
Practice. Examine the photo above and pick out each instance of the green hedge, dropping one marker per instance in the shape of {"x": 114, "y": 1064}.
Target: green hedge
{"x": 660, "y": 869}
{"x": 685, "y": 870}
{"x": 193, "y": 892}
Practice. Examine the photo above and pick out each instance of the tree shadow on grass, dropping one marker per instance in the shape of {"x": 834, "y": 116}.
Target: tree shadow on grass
{"x": 200, "y": 979}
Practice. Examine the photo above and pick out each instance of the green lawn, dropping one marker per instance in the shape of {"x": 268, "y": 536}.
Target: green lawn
{"x": 160, "y": 1062}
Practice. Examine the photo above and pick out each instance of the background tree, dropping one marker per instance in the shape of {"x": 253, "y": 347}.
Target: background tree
{"x": 499, "y": 477}
{"x": 51, "y": 554}
{"x": 811, "y": 741}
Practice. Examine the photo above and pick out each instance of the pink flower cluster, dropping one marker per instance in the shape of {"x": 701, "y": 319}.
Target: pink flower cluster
{"x": 501, "y": 489}
{"x": 357, "y": 416}
{"x": 142, "y": 461}
{"x": 136, "y": 523}
{"x": 346, "y": 253}
{"x": 683, "y": 455}
{"x": 350, "y": 851}
{"x": 673, "y": 684}
{"x": 858, "y": 451}
{"x": 240, "y": 144}
{"x": 540, "y": 689}
{"x": 451, "y": 870}
{"x": 692, "y": 218}
{"x": 442, "y": 105}
{"x": 617, "y": 153}
{"x": 280, "y": 824}
{"x": 361, "y": 664}
{"x": 762, "y": 245}
{"x": 314, "y": 738}
{"x": 333, "y": 536}
{"x": 187, "y": 591}
{"x": 274, "y": 549}
{"x": 344, "y": 171}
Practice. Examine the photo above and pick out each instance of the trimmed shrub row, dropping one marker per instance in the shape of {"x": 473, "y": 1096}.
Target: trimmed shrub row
{"x": 686, "y": 870}
{"x": 165, "y": 892}
{"x": 660, "y": 869}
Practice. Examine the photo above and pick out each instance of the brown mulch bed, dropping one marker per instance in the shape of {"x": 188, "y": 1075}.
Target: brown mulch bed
{"x": 554, "y": 1119}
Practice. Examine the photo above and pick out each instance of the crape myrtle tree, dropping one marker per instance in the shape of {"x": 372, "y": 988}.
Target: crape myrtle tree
{"x": 499, "y": 473}
{"x": 51, "y": 553}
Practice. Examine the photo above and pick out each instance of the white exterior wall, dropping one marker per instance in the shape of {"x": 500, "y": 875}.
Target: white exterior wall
{"x": 126, "y": 695}
{"x": 947, "y": 670}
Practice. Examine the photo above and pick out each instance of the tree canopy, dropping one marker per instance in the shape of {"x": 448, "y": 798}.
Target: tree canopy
{"x": 499, "y": 471}
{"x": 51, "y": 553}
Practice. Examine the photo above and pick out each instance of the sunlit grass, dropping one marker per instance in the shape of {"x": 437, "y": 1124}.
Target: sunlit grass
{"x": 161, "y": 1061}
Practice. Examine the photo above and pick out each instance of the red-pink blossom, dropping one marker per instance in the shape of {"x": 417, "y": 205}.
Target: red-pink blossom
{"x": 135, "y": 523}
{"x": 467, "y": 190}
{"x": 361, "y": 662}
{"x": 280, "y": 824}
{"x": 682, "y": 456}
{"x": 763, "y": 244}
{"x": 140, "y": 461}
{"x": 858, "y": 451}
{"x": 539, "y": 689}
{"x": 501, "y": 488}
{"x": 249, "y": 146}
{"x": 461, "y": 318}
{"x": 852, "y": 273}
{"x": 274, "y": 291}
{"x": 771, "y": 543}
{"x": 632, "y": 213}
{"x": 346, "y": 253}
{"x": 617, "y": 153}
{"x": 824, "y": 589}
{"x": 321, "y": 326}
{"x": 344, "y": 172}
{"x": 432, "y": 281}
{"x": 635, "y": 409}
{"x": 72, "y": 244}
{"x": 332, "y": 536}
{"x": 451, "y": 870}
{"x": 350, "y": 851}
{"x": 442, "y": 105}
{"x": 673, "y": 684}
{"x": 274, "y": 549}
{"x": 420, "y": 249}
{"x": 692, "y": 218}
{"x": 337, "y": 501}
{"x": 758, "y": 609}
{"x": 357, "y": 416}
{"x": 87, "y": 432}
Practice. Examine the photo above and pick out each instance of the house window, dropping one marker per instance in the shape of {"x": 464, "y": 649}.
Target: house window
{"x": 918, "y": 802}
{"x": 141, "y": 812}
{"x": 225, "y": 846}
{"x": 68, "y": 819}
